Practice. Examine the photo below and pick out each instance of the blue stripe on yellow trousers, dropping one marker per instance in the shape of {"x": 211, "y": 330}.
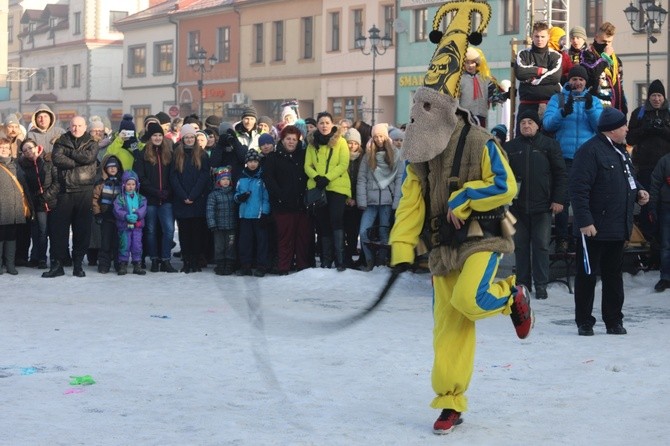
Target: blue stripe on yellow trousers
{"x": 459, "y": 299}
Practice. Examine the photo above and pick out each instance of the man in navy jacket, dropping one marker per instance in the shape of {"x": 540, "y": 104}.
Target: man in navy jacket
{"x": 603, "y": 191}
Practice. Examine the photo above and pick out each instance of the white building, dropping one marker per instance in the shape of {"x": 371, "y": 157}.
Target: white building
{"x": 149, "y": 71}
{"x": 78, "y": 54}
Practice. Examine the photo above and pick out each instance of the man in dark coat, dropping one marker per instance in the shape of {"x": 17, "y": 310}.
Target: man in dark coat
{"x": 603, "y": 191}
{"x": 537, "y": 162}
{"x": 75, "y": 155}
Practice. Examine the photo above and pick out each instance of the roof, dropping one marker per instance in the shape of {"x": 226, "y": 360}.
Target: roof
{"x": 56, "y": 10}
{"x": 149, "y": 13}
{"x": 43, "y": 97}
{"x": 203, "y": 4}
{"x": 31, "y": 15}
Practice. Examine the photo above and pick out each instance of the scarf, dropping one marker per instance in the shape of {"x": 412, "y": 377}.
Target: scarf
{"x": 353, "y": 156}
{"x": 384, "y": 174}
{"x": 322, "y": 140}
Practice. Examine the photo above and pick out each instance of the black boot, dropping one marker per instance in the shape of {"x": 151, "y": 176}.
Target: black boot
{"x": 78, "y": 269}
{"x": 167, "y": 267}
{"x": 187, "y": 265}
{"x": 338, "y": 238}
{"x": 122, "y": 270}
{"x": 326, "y": 252}
{"x": 56, "y": 270}
{"x": 137, "y": 269}
{"x": 155, "y": 265}
{"x": 228, "y": 268}
{"x": 218, "y": 269}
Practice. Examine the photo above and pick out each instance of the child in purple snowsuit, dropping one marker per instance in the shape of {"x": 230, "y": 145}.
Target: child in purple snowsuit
{"x": 130, "y": 208}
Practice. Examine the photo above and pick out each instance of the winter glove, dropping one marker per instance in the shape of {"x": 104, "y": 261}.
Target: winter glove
{"x": 568, "y": 108}
{"x": 244, "y": 196}
{"x": 588, "y": 98}
{"x": 321, "y": 182}
{"x": 98, "y": 219}
{"x": 131, "y": 218}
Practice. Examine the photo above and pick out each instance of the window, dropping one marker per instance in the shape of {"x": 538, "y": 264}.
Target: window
{"x": 389, "y": 17}
{"x": 357, "y": 20}
{"x": 510, "y": 10}
{"x": 641, "y": 88}
{"x": 420, "y": 25}
{"x": 594, "y": 16}
{"x": 29, "y": 84}
{"x": 115, "y": 16}
{"x": 279, "y": 40}
{"x": 559, "y": 12}
{"x": 40, "y": 76}
{"x": 51, "y": 78}
{"x": 163, "y": 57}
{"x": 140, "y": 112}
{"x": 63, "y": 76}
{"x": 258, "y": 43}
{"x": 334, "y": 31}
{"x": 52, "y": 22}
{"x": 193, "y": 43}
{"x": 77, "y": 23}
{"x": 76, "y": 75}
{"x": 10, "y": 28}
{"x": 137, "y": 61}
{"x": 223, "y": 44}
{"x": 346, "y": 107}
{"x": 307, "y": 38}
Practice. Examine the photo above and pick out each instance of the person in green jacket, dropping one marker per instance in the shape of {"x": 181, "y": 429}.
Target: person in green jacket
{"x": 326, "y": 166}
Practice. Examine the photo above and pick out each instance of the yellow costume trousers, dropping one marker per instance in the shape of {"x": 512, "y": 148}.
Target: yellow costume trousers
{"x": 459, "y": 299}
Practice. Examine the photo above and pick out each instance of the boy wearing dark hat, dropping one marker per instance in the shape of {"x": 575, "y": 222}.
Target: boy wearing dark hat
{"x": 254, "y": 200}
{"x": 572, "y": 117}
{"x": 104, "y": 193}
{"x": 603, "y": 190}
{"x": 222, "y": 221}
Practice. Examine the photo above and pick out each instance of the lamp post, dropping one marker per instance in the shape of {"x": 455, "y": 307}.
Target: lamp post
{"x": 378, "y": 47}
{"x": 199, "y": 62}
{"x": 654, "y": 16}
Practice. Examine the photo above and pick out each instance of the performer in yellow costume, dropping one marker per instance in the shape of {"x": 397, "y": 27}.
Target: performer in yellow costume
{"x": 454, "y": 196}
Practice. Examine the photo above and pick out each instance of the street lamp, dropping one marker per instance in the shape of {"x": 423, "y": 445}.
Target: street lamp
{"x": 654, "y": 17}
{"x": 378, "y": 47}
{"x": 200, "y": 62}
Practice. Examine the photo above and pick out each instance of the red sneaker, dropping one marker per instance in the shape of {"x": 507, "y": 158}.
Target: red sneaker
{"x": 522, "y": 315}
{"x": 446, "y": 422}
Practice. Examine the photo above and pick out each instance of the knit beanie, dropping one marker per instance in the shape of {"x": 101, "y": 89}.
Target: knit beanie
{"x": 531, "y": 114}
{"x": 656, "y": 87}
{"x": 396, "y": 133}
{"x": 266, "y": 120}
{"x": 112, "y": 161}
{"x": 96, "y": 125}
{"x": 153, "y": 128}
{"x": 212, "y": 122}
{"x": 11, "y": 119}
{"x": 252, "y": 155}
{"x": 578, "y": 71}
{"x": 265, "y": 138}
{"x": 353, "y": 135}
{"x": 192, "y": 119}
{"x": 578, "y": 31}
{"x": 611, "y": 119}
{"x": 127, "y": 123}
{"x": 249, "y": 111}
{"x": 310, "y": 121}
{"x": 288, "y": 111}
{"x": 381, "y": 129}
{"x": 187, "y": 129}
{"x": 222, "y": 172}
{"x": 472, "y": 54}
{"x": 163, "y": 117}
{"x": 500, "y": 132}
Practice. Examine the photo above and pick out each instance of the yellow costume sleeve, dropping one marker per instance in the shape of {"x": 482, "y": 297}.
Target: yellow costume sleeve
{"x": 496, "y": 188}
{"x": 409, "y": 219}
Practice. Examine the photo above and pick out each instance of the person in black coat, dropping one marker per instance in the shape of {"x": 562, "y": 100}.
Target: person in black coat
{"x": 286, "y": 181}
{"x": 603, "y": 190}
{"x": 42, "y": 179}
{"x": 537, "y": 162}
{"x": 228, "y": 151}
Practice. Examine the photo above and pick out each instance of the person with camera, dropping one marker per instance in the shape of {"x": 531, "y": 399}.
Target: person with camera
{"x": 649, "y": 134}
{"x": 572, "y": 116}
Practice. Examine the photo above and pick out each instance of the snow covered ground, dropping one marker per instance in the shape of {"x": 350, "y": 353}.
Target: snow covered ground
{"x": 205, "y": 360}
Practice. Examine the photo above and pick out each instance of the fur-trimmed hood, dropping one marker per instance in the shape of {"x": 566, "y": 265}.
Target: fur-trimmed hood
{"x": 333, "y": 139}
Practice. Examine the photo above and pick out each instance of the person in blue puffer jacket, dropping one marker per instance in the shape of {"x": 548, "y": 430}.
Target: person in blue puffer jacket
{"x": 573, "y": 116}
{"x": 254, "y": 201}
